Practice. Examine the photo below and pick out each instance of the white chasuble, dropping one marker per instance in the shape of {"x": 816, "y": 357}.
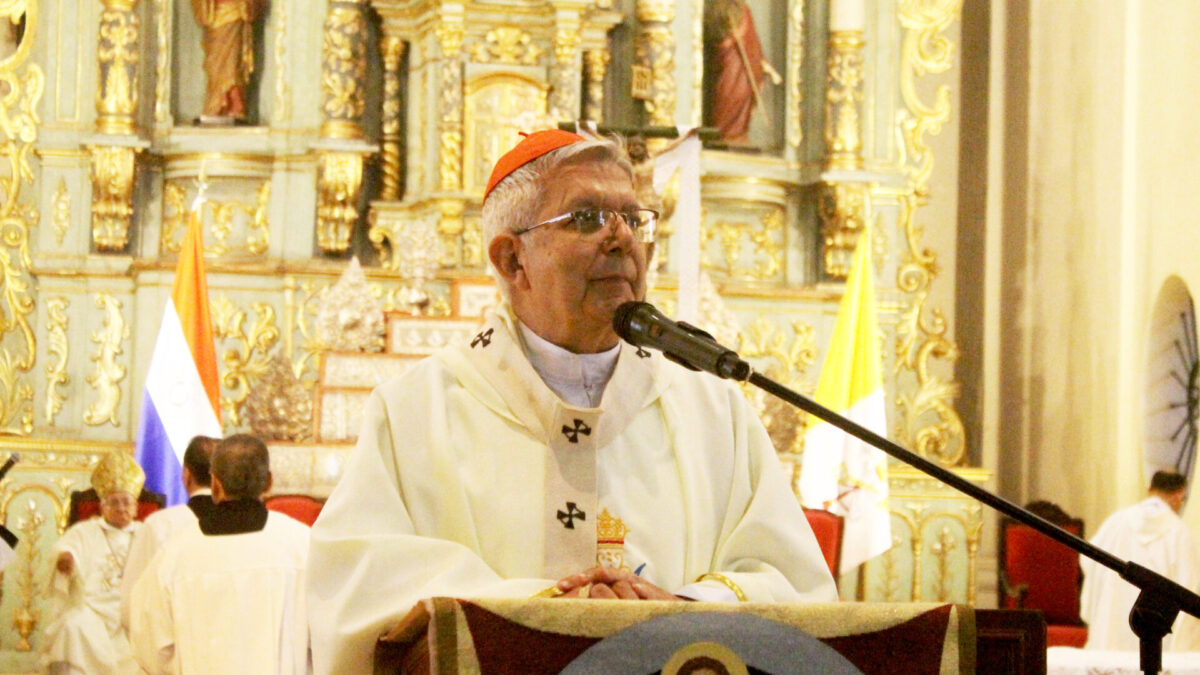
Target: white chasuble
{"x": 84, "y": 622}
{"x": 471, "y": 478}
{"x": 230, "y": 603}
{"x": 1150, "y": 534}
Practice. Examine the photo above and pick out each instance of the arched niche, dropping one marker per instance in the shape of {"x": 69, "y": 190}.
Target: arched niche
{"x": 1172, "y": 399}
{"x": 188, "y": 77}
{"x": 497, "y": 107}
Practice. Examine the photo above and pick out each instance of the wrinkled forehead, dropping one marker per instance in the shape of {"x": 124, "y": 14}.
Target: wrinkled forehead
{"x": 600, "y": 181}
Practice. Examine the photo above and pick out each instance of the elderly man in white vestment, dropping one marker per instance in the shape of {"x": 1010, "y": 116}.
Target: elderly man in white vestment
{"x": 228, "y": 596}
{"x": 163, "y": 524}
{"x": 490, "y": 468}
{"x": 84, "y": 632}
{"x": 1149, "y": 533}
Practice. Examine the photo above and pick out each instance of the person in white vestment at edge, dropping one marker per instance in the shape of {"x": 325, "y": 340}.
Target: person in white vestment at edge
{"x": 545, "y": 456}
{"x": 1149, "y": 533}
{"x": 161, "y": 525}
{"x": 84, "y": 633}
{"x": 228, "y": 596}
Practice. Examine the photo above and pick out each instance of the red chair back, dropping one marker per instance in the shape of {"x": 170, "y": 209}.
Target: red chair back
{"x": 1048, "y": 570}
{"x": 828, "y": 528}
{"x": 301, "y": 507}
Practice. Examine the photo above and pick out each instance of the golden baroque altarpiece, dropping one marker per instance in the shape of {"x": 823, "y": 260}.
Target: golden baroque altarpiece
{"x": 378, "y": 152}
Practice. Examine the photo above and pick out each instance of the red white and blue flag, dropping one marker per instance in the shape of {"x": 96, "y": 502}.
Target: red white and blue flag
{"x": 182, "y": 389}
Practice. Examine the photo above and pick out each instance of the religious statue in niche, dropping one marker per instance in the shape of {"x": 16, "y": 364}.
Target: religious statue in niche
{"x": 228, "y": 27}
{"x": 733, "y": 60}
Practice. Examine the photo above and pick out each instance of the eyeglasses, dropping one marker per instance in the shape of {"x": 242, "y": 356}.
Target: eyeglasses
{"x": 589, "y": 221}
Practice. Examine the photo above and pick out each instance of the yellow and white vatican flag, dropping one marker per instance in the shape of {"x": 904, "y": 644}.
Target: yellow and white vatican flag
{"x": 838, "y": 472}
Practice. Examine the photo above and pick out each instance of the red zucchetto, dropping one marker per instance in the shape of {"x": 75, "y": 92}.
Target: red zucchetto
{"x": 530, "y": 148}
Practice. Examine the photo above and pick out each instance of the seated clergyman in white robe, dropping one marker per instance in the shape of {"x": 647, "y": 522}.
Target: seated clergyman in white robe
{"x": 227, "y": 596}
{"x": 83, "y": 632}
{"x": 544, "y": 456}
{"x": 1151, "y": 534}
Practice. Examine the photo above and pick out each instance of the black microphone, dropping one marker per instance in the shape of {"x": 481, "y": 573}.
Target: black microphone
{"x": 12, "y": 459}
{"x": 640, "y": 324}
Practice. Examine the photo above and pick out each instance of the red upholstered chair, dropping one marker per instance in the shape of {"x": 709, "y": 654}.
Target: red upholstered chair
{"x": 85, "y": 504}
{"x": 828, "y": 529}
{"x": 1037, "y": 572}
{"x": 301, "y": 507}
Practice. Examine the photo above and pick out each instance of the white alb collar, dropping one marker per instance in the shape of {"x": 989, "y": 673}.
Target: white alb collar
{"x": 578, "y": 379}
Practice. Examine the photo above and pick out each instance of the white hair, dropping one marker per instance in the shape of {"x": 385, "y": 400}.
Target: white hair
{"x": 515, "y": 201}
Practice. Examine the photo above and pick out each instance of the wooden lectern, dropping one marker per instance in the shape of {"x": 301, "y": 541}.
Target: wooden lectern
{"x": 536, "y": 635}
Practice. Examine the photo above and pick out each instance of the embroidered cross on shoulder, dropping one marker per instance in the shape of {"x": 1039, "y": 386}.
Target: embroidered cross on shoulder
{"x": 568, "y": 517}
{"x": 483, "y": 338}
{"x": 572, "y": 433}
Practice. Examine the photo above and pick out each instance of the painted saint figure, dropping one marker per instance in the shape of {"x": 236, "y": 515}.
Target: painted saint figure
{"x": 228, "y": 52}
{"x": 734, "y": 57}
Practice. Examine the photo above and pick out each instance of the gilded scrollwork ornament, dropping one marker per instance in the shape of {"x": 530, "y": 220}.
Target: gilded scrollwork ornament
{"x": 23, "y": 83}
{"x": 843, "y": 208}
{"x": 339, "y": 182}
{"x": 249, "y": 355}
{"x": 767, "y": 237}
{"x": 108, "y": 374}
{"x": 507, "y": 45}
{"x": 785, "y": 358}
{"x": 113, "y": 173}
{"x": 222, "y": 217}
{"x": 929, "y": 423}
{"x": 57, "y": 349}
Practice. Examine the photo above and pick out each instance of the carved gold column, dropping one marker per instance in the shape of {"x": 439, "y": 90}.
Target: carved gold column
{"x": 843, "y": 100}
{"x": 343, "y": 77}
{"x": 845, "y": 200}
{"x": 449, "y": 33}
{"x": 595, "y": 67}
{"x": 655, "y": 50}
{"x": 393, "y": 58}
{"x": 114, "y": 153}
{"x": 566, "y": 73}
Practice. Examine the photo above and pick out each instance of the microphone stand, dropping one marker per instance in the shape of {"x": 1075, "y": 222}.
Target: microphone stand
{"x": 1160, "y": 599}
